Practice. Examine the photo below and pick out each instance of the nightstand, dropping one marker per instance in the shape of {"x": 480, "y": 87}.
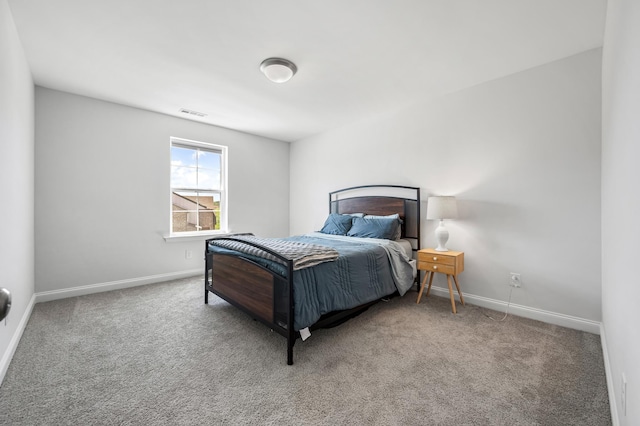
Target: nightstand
{"x": 450, "y": 263}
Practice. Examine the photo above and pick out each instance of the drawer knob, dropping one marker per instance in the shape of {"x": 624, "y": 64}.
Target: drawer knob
{"x": 435, "y": 266}
{"x": 435, "y": 258}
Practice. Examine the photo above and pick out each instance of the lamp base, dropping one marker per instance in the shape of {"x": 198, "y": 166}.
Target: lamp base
{"x": 442, "y": 235}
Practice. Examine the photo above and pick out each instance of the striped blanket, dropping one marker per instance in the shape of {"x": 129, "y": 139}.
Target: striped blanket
{"x": 303, "y": 255}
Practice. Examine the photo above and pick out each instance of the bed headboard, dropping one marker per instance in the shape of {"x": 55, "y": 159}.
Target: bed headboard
{"x": 382, "y": 200}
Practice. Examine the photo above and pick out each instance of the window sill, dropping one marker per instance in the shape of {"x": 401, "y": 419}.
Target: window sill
{"x": 192, "y": 236}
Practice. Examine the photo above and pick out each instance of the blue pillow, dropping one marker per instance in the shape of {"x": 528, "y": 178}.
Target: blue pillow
{"x": 398, "y": 234}
{"x": 337, "y": 224}
{"x": 374, "y": 228}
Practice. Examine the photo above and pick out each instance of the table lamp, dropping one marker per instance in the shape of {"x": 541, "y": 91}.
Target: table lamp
{"x": 441, "y": 208}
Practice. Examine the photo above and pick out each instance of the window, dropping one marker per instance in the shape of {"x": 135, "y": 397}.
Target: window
{"x": 198, "y": 187}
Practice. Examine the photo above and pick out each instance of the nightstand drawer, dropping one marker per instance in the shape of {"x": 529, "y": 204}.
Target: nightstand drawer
{"x": 436, "y": 258}
{"x": 437, "y": 267}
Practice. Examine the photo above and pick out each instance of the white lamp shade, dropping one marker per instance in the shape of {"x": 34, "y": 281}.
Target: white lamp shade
{"x": 442, "y": 207}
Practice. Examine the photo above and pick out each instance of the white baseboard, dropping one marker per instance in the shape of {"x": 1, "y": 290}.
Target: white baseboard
{"x": 615, "y": 420}
{"x": 549, "y": 317}
{"x": 17, "y": 335}
{"x": 46, "y": 296}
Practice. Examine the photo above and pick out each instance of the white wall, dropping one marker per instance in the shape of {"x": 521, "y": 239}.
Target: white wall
{"x": 521, "y": 153}
{"x": 16, "y": 183}
{"x": 95, "y": 160}
{"x": 621, "y": 203}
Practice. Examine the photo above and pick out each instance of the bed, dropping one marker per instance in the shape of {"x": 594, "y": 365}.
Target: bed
{"x": 297, "y": 284}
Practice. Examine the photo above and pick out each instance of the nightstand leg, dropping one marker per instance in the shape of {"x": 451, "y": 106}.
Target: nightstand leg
{"x": 430, "y": 282}
{"x": 453, "y": 300}
{"x": 455, "y": 280}
{"x": 424, "y": 281}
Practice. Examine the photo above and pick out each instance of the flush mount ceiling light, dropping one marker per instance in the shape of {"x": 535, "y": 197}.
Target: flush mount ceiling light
{"x": 278, "y": 70}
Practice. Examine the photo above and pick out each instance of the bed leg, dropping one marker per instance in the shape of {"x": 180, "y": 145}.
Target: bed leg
{"x": 206, "y": 296}
{"x": 291, "y": 334}
{"x": 291, "y": 341}
{"x": 289, "y": 352}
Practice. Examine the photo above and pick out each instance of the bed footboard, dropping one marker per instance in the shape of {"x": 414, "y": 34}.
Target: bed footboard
{"x": 245, "y": 283}
{"x": 256, "y": 290}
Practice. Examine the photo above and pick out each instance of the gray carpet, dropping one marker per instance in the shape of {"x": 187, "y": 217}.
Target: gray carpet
{"x": 157, "y": 355}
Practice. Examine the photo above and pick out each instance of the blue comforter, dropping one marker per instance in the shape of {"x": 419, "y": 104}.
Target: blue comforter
{"x": 366, "y": 270}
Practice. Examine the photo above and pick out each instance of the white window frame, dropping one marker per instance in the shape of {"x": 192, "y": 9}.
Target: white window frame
{"x": 223, "y": 150}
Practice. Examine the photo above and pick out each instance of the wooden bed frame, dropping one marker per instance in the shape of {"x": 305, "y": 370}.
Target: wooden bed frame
{"x": 268, "y": 297}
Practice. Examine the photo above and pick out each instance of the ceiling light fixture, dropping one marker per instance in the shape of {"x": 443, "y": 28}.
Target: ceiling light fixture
{"x": 278, "y": 70}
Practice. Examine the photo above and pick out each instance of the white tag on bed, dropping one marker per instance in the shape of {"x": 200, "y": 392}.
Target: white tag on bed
{"x": 305, "y": 333}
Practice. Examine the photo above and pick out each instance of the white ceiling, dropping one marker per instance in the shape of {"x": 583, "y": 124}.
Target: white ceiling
{"x": 355, "y": 58}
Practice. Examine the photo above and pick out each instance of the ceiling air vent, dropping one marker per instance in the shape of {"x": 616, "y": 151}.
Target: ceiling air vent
{"x": 192, "y": 112}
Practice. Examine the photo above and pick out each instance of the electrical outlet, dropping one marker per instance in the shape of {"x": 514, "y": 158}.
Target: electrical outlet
{"x": 188, "y": 254}
{"x": 515, "y": 280}
{"x": 623, "y": 395}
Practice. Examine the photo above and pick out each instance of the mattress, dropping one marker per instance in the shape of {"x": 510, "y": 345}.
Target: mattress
{"x": 407, "y": 247}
